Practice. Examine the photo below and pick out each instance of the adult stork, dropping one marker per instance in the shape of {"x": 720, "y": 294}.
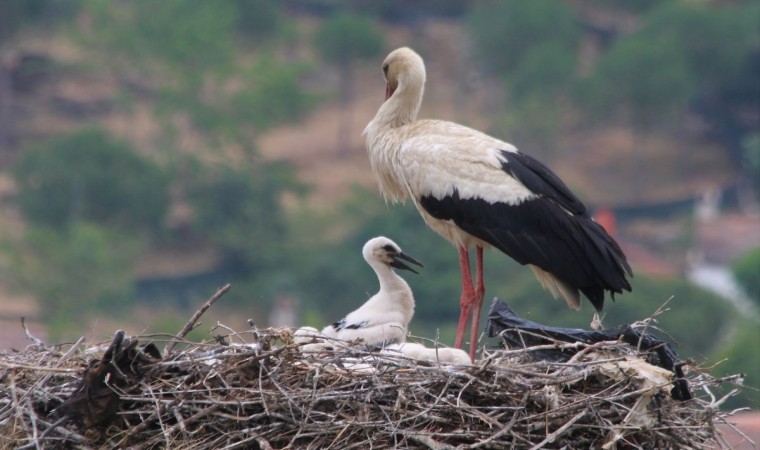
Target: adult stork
{"x": 478, "y": 191}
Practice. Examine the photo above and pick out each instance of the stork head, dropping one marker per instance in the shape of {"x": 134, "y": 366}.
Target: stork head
{"x": 403, "y": 67}
{"x": 384, "y": 251}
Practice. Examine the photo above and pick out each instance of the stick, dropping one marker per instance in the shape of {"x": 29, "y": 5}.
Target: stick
{"x": 36, "y": 340}
{"x": 189, "y": 325}
{"x": 549, "y": 439}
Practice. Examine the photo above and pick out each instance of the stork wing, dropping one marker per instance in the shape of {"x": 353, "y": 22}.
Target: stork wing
{"x": 519, "y": 206}
{"x": 343, "y": 324}
{"x": 541, "y": 180}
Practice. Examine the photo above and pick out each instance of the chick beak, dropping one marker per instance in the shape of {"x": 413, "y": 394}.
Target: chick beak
{"x": 398, "y": 264}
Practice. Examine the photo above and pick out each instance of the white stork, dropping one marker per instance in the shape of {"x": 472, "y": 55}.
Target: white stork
{"x": 440, "y": 355}
{"x": 478, "y": 191}
{"x": 384, "y": 318}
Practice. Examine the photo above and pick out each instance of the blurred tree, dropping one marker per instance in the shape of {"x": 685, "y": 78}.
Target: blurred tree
{"x": 636, "y": 6}
{"x": 547, "y": 71}
{"x": 747, "y": 273}
{"x": 751, "y": 161}
{"x": 240, "y": 210}
{"x": 186, "y": 37}
{"x": 344, "y": 40}
{"x": 714, "y": 40}
{"x": 505, "y": 33}
{"x": 14, "y": 15}
{"x": 741, "y": 355}
{"x": 703, "y": 55}
{"x": 75, "y": 273}
{"x": 644, "y": 82}
{"x": 533, "y": 47}
{"x": 184, "y": 51}
{"x": 87, "y": 176}
{"x": 409, "y": 13}
{"x": 537, "y": 88}
{"x": 259, "y": 19}
{"x": 273, "y": 96}
{"x": 626, "y": 82}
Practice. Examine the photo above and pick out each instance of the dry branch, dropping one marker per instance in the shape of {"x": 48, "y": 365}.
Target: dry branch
{"x": 197, "y": 315}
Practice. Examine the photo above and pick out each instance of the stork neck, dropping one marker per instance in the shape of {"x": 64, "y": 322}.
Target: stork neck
{"x": 389, "y": 280}
{"x": 401, "y": 108}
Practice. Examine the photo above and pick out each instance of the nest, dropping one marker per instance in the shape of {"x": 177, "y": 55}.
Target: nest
{"x": 254, "y": 389}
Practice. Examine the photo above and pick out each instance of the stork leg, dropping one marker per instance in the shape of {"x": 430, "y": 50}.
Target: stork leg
{"x": 480, "y": 291}
{"x": 468, "y": 296}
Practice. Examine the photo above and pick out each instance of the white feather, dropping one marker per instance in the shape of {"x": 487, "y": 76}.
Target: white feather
{"x": 440, "y": 355}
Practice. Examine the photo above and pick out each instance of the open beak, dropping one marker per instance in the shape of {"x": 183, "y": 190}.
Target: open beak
{"x": 398, "y": 264}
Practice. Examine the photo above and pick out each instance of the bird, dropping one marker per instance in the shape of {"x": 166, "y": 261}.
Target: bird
{"x": 384, "y": 318}
{"x": 479, "y": 191}
{"x": 441, "y": 355}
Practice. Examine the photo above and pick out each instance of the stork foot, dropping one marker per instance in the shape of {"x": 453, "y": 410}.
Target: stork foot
{"x": 596, "y": 322}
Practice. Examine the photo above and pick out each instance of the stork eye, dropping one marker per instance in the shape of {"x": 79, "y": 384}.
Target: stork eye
{"x": 385, "y": 69}
{"x": 389, "y": 248}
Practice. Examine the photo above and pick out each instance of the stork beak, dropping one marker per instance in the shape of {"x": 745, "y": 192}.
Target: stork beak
{"x": 388, "y": 91}
{"x": 397, "y": 264}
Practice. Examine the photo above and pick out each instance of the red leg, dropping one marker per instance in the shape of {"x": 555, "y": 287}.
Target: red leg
{"x": 467, "y": 298}
{"x": 480, "y": 291}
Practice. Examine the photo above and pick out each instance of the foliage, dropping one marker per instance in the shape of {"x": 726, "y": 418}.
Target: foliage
{"x": 533, "y": 48}
{"x": 16, "y": 14}
{"x": 346, "y": 38}
{"x": 635, "y": 6}
{"x": 187, "y": 37}
{"x": 506, "y": 33}
{"x": 259, "y": 19}
{"x": 705, "y": 58}
{"x": 747, "y": 273}
{"x": 751, "y": 161}
{"x": 536, "y": 89}
{"x": 401, "y": 11}
{"x": 626, "y": 82}
{"x": 184, "y": 53}
{"x": 87, "y": 176}
{"x": 713, "y": 40}
{"x": 721, "y": 46}
{"x": 272, "y": 95}
{"x": 75, "y": 273}
{"x": 742, "y": 355}
{"x": 546, "y": 72}
{"x": 240, "y": 210}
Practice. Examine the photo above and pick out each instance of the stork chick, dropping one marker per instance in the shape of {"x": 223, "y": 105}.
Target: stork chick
{"x": 384, "y": 318}
{"x": 440, "y": 355}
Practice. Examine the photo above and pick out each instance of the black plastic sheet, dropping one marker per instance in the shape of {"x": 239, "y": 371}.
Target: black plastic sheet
{"x": 517, "y": 332}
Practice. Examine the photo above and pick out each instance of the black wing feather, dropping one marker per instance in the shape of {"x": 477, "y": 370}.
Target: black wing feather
{"x": 541, "y": 180}
{"x": 553, "y": 231}
{"x": 344, "y": 325}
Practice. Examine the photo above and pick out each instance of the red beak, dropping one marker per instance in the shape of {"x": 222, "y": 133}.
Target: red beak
{"x": 388, "y": 91}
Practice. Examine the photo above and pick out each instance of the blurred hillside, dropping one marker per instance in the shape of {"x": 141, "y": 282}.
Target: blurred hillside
{"x": 150, "y": 152}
